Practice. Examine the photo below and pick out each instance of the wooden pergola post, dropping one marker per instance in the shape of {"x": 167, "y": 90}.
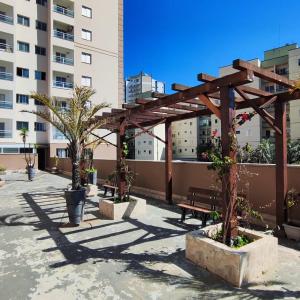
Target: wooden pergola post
{"x": 229, "y": 181}
{"x": 120, "y": 160}
{"x": 168, "y": 162}
{"x": 281, "y": 164}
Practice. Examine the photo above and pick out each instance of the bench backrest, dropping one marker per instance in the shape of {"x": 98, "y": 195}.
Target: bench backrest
{"x": 204, "y": 196}
{"x": 208, "y": 197}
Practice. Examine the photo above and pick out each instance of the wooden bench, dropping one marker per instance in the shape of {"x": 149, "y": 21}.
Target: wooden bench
{"x": 203, "y": 201}
{"x": 112, "y": 188}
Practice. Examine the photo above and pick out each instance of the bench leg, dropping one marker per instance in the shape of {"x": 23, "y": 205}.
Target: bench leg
{"x": 183, "y": 215}
{"x": 204, "y": 219}
{"x": 105, "y": 191}
{"x": 113, "y": 192}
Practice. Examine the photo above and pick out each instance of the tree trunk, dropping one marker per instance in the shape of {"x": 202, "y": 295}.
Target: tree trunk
{"x": 75, "y": 157}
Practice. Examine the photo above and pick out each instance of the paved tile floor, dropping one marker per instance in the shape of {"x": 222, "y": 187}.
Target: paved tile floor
{"x": 102, "y": 259}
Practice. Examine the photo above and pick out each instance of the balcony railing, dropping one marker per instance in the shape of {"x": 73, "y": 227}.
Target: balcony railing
{"x": 5, "y": 134}
{"x": 6, "y": 104}
{"x": 6, "y": 76}
{"x": 6, "y": 48}
{"x": 63, "y": 35}
{"x": 63, "y": 84}
{"x": 64, "y": 11}
{"x": 63, "y": 60}
{"x": 6, "y": 19}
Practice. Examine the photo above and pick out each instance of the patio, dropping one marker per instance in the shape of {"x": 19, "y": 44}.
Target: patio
{"x": 102, "y": 259}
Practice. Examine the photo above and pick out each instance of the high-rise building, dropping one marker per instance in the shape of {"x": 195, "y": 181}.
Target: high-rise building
{"x": 49, "y": 46}
{"x": 144, "y": 146}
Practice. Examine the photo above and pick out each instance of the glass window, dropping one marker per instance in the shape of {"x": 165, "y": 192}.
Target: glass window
{"x": 22, "y": 124}
{"x": 42, "y": 2}
{"x": 62, "y": 153}
{"x": 86, "y": 58}
{"x": 41, "y": 25}
{"x": 11, "y": 150}
{"x": 86, "y": 81}
{"x": 22, "y": 20}
{"x": 37, "y": 102}
{"x": 22, "y": 72}
{"x": 40, "y": 75}
{"x": 86, "y": 11}
{"x": 39, "y": 126}
{"x": 24, "y": 47}
{"x": 86, "y": 34}
{"x": 40, "y": 50}
{"x": 22, "y": 99}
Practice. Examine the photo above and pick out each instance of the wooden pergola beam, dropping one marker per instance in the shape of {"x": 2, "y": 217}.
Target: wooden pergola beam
{"x": 147, "y": 130}
{"x": 262, "y": 73}
{"x": 248, "y": 89}
{"x": 264, "y": 114}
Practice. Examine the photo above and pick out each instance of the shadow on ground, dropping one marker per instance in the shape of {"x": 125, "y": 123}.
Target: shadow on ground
{"x": 142, "y": 263}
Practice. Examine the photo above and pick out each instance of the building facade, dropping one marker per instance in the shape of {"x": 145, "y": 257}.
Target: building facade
{"x": 49, "y": 46}
{"x": 144, "y": 146}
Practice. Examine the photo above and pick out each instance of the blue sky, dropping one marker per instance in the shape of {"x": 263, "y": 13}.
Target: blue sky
{"x": 174, "y": 40}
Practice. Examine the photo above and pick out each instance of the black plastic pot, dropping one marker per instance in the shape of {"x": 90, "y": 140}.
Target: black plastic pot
{"x": 75, "y": 205}
{"x": 92, "y": 178}
{"x": 31, "y": 173}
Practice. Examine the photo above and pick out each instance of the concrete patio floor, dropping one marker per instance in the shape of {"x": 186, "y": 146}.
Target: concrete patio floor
{"x": 102, "y": 259}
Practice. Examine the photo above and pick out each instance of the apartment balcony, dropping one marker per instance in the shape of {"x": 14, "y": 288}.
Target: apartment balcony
{"x": 63, "y": 10}
{"x": 6, "y": 104}
{"x": 63, "y": 35}
{"x": 7, "y": 18}
{"x": 6, "y": 47}
{"x": 6, "y": 131}
{"x": 63, "y": 60}
{"x": 6, "y": 76}
{"x": 63, "y": 84}
{"x": 57, "y": 135}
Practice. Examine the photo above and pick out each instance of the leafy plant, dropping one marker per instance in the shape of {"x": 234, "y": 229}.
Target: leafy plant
{"x": 2, "y": 168}
{"x": 76, "y": 122}
{"x": 91, "y": 170}
{"x": 29, "y": 158}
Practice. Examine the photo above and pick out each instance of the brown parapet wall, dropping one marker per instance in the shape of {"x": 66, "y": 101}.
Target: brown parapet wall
{"x": 150, "y": 180}
{"x": 14, "y": 162}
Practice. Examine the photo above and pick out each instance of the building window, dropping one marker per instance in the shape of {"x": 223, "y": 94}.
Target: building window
{"x": 86, "y": 34}
{"x": 37, "y": 102}
{"x": 238, "y": 132}
{"x": 216, "y": 121}
{"x": 22, "y": 124}
{"x": 86, "y": 58}
{"x": 41, "y": 25}
{"x": 86, "y": 81}
{"x": 42, "y": 2}
{"x": 39, "y": 126}
{"x": 22, "y": 20}
{"x": 24, "y": 47}
{"x": 86, "y": 11}
{"x": 39, "y": 75}
{"x": 268, "y": 134}
{"x": 299, "y": 62}
{"x": 22, "y": 72}
{"x": 22, "y": 99}
{"x": 150, "y": 142}
{"x": 150, "y": 152}
{"x": 40, "y": 50}
{"x": 180, "y": 150}
{"x": 62, "y": 153}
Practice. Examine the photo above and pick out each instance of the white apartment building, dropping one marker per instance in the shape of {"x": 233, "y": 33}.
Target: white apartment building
{"x": 49, "y": 46}
{"x": 145, "y": 146}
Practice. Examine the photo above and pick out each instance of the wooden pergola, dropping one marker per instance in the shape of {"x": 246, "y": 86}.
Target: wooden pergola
{"x": 187, "y": 102}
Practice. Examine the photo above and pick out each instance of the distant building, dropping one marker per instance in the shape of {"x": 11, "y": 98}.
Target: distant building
{"x": 144, "y": 146}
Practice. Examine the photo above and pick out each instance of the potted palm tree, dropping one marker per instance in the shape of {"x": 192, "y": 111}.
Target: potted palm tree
{"x": 76, "y": 122}
{"x": 30, "y": 159}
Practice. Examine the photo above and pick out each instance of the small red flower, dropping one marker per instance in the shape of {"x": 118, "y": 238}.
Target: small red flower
{"x": 245, "y": 116}
{"x": 214, "y": 133}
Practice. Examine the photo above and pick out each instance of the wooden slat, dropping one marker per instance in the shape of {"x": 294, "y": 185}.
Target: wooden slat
{"x": 262, "y": 73}
{"x": 207, "y": 102}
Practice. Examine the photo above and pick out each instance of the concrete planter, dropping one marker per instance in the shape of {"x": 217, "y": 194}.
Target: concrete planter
{"x": 91, "y": 190}
{"x": 292, "y": 232}
{"x": 248, "y": 264}
{"x": 116, "y": 211}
